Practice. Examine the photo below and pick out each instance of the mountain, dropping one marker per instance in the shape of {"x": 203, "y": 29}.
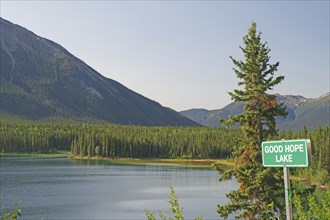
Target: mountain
{"x": 301, "y": 112}
{"x": 311, "y": 113}
{"x": 210, "y": 117}
{"x": 40, "y": 79}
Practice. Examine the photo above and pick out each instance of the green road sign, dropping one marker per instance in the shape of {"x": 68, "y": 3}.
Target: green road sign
{"x": 286, "y": 153}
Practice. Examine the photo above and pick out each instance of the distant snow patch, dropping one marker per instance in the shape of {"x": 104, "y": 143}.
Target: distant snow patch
{"x": 94, "y": 92}
{"x": 325, "y": 95}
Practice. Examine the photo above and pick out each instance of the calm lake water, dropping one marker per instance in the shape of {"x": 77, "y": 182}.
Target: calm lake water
{"x": 74, "y": 189}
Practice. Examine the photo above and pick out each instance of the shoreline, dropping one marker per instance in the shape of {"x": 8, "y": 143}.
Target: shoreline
{"x": 59, "y": 154}
{"x": 150, "y": 161}
{"x": 128, "y": 161}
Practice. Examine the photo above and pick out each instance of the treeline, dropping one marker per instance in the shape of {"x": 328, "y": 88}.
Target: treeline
{"x": 115, "y": 141}
{"x": 320, "y": 140}
{"x": 28, "y": 137}
{"x": 154, "y": 142}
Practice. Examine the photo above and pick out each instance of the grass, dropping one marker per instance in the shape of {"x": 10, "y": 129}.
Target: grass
{"x": 185, "y": 162}
{"x": 132, "y": 161}
{"x": 59, "y": 154}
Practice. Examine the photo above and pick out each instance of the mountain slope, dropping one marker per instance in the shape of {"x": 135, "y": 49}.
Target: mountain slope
{"x": 311, "y": 113}
{"x": 210, "y": 117}
{"x": 41, "y": 79}
{"x": 301, "y": 112}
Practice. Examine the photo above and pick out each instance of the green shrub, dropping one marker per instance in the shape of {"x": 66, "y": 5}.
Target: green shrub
{"x": 175, "y": 208}
{"x": 309, "y": 208}
{"x": 11, "y": 214}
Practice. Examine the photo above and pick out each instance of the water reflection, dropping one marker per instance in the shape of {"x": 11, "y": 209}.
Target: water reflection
{"x": 74, "y": 189}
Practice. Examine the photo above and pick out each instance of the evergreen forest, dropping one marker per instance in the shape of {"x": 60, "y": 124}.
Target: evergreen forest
{"x": 118, "y": 141}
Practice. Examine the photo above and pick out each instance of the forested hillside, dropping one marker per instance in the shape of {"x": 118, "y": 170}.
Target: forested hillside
{"x": 39, "y": 79}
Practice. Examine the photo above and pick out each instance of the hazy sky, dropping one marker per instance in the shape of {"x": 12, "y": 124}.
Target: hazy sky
{"x": 177, "y": 52}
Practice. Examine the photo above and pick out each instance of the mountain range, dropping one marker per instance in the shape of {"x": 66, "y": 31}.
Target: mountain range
{"x": 41, "y": 80}
{"x": 301, "y": 112}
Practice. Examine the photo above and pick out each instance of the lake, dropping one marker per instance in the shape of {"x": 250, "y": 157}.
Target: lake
{"x": 64, "y": 188}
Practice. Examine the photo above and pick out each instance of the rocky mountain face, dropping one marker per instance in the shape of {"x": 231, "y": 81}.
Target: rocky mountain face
{"x": 310, "y": 113}
{"x": 40, "y": 79}
{"x": 301, "y": 112}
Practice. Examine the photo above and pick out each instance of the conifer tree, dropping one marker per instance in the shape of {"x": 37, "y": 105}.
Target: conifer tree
{"x": 260, "y": 194}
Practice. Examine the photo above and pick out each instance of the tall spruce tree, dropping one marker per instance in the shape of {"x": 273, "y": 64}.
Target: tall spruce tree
{"x": 260, "y": 194}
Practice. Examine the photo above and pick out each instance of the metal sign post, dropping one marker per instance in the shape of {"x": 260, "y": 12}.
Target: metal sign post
{"x": 287, "y": 153}
{"x": 287, "y": 192}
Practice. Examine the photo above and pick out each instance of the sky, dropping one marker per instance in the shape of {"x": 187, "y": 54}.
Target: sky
{"x": 177, "y": 52}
